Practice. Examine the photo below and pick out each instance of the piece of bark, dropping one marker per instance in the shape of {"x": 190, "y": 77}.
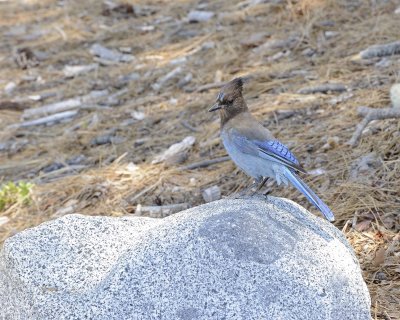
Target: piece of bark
{"x": 160, "y": 211}
{"x": 211, "y": 194}
{"x": 381, "y": 50}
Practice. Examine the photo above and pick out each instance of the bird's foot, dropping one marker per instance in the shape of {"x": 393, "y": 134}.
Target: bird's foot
{"x": 266, "y": 193}
{"x": 262, "y": 183}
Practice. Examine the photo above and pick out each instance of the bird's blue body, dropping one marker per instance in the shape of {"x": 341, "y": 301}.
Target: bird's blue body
{"x": 254, "y": 149}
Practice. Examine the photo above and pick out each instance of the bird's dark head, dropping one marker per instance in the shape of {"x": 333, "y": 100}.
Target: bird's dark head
{"x": 230, "y": 100}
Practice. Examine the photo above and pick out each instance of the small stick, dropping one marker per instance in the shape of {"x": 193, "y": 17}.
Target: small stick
{"x": 45, "y": 120}
{"x": 206, "y": 87}
{"x": 204, "y": 163}
{"x": 210, "y": 86}
{"x": 132, "y": 199}
{"x": 370, "y": 115}
{"x": 188, "y": 126}
{"x": 379, "y": 114}
{"x": 53, "y": 108}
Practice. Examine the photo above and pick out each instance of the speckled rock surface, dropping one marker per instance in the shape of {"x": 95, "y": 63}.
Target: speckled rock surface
{"x": 229, "y": 259}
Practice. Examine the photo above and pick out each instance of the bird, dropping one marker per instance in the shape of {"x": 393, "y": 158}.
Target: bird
{"x": 255, "y": 150}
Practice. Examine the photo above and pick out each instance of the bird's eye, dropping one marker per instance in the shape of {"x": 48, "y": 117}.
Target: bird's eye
{"x": 220, "y": 97}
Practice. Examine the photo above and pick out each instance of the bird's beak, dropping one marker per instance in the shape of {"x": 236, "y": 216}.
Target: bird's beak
{"x": 215, "y": 107}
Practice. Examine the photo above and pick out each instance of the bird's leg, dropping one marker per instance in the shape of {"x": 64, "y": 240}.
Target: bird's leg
{"x": 244, "y": 192}
{"x": 267, "y": 192}
{"x": 263, "y": 182}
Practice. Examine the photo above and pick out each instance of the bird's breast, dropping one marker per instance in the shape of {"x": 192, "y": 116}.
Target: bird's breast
{"x": 253, "y": 166}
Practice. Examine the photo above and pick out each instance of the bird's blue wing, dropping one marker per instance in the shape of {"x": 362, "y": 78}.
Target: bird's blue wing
{"x": 279, "y": 152}
{"x": 270, "y": 149}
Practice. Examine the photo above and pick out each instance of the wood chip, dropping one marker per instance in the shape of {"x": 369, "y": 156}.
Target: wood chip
{"x": 211, "y": 194}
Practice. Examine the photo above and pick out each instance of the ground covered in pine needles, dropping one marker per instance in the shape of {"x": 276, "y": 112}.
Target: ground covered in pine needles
{"x": 153, "y": 89}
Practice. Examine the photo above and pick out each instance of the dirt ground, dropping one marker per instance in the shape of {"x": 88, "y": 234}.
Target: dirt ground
{"x": 153, "y": 90}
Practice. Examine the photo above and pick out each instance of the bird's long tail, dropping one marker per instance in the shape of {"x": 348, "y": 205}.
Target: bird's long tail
{"x": 311, "y": 196}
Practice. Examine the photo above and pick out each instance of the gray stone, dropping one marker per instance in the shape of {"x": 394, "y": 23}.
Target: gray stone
{"x": 259, "y": 258}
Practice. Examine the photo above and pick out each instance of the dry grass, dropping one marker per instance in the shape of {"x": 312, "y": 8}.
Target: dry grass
{"x": 368, "y": 203}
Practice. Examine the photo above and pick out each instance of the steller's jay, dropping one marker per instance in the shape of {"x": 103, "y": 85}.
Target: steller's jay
{"x": 254, "y": 149}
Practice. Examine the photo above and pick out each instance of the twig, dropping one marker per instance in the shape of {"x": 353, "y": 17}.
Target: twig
{"x": 206, "y": 87}
{"x": 217, "y": 84}
{"x": 210, "y": 86}
{"x": 371, "y": 114}
{"x": 131, "y": 199}
{"x": 188, "y": 126}
{"x": 45, "y": 120}
{"x": 205, "y": 163}
{"x": 60, "y": 173}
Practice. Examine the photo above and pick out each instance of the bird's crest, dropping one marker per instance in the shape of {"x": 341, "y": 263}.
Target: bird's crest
{"x": 234, "y": 87}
